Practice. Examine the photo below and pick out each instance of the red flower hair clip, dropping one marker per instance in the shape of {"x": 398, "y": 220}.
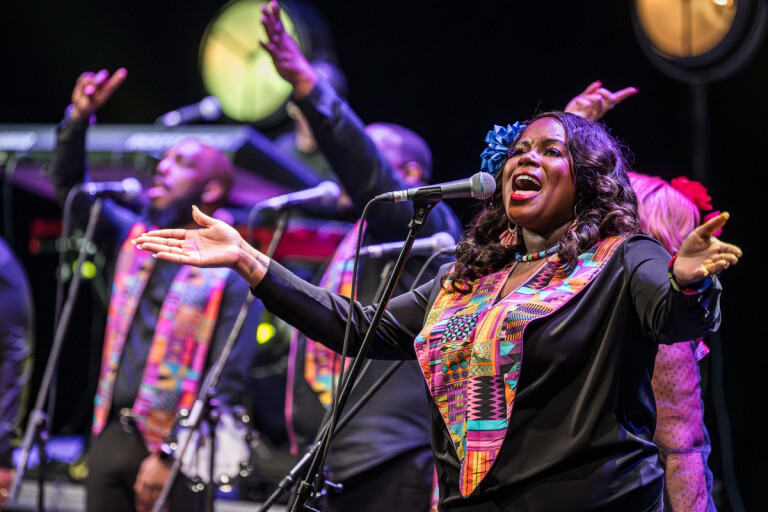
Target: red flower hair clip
{"x": 698, "y": 195}
{"x": 694, "y": 191}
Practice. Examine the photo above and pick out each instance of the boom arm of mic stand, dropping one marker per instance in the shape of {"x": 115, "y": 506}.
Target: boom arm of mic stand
{"x": 199, "y": 408}
{"x": 37, "y": 417}
{"x": 421, "y": 210}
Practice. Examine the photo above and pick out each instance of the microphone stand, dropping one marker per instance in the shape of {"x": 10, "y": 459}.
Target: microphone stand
{"x": 385, "y": 272}
{"x": 416, "y": 225}
{"x": 35, "y": 430}
{"x": 201, "y": 406}
{"x": 286, "y": 484}
{"x": 288, "y": 481}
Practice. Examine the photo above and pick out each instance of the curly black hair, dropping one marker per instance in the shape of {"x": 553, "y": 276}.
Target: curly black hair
{"x": 604, "y": 205}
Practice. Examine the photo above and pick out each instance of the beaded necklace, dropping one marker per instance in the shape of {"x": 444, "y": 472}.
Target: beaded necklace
{"x": 537, "y": 256}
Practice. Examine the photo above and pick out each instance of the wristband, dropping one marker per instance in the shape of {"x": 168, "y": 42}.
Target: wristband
{"x": 685, "y": 289}
{"x": 68, "y": 115}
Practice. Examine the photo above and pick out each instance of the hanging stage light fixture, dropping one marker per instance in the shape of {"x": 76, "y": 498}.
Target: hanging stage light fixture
{"x": 699, "y": 41}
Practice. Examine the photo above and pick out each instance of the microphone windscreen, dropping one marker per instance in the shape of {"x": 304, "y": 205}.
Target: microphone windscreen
{"x": 331, "y": 192}
{"x": 442, "y": 240}
{"x": 482, "y": 185}
{"x": 132, "y": 188}
{"x": 210, "y": 108}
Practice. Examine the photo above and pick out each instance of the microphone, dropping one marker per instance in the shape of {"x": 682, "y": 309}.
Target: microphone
{"x": 479, "y": 186}
{"x": 207, "y": 109}
{"x": 126, "y": 190}
{"x": 421, "y": 247}
{"x": 326, "y": 193}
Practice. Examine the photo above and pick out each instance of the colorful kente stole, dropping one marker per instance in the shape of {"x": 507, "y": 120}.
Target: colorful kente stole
{"x": 470, "y": 351}
{"x": 180, "y": 342}
{"x": 321, "y": 364}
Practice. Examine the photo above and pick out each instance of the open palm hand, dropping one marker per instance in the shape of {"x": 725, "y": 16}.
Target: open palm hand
{"x": 216, "y": 244}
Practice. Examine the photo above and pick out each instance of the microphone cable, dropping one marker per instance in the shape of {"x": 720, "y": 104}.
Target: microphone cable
{"x": 322, "y": 454}
{"x": 426, "y": 265}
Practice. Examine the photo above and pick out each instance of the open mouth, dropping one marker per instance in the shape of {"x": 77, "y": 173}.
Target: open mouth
{"x": 525, "y": 186}
{"x": 156, "y": 190}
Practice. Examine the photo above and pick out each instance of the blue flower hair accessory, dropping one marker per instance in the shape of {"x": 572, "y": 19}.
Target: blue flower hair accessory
{"x": 499, "y": 139}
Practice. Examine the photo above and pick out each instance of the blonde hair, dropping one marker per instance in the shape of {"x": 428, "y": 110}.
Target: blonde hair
{"x": 665, "y": 213}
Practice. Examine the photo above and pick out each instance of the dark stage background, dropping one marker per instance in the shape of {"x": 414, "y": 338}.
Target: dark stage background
{"x": 449, "y": 71}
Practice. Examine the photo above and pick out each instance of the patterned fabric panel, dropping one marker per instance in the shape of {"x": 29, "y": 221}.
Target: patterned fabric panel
{"x": 131, "y": 276}
{"x": 180, "y": 342}
{"x": 179, "y": 350}
{"x": 470, "y": 352}
{"x": 321, "y": 364}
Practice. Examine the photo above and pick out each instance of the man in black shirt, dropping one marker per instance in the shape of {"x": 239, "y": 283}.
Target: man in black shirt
{"x": 166, "y": 323}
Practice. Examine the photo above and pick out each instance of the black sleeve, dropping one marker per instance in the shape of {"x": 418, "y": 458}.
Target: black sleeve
{"x": 322, "y": 315}
{"x": 68, "y": 159}
{"x": 69, "y": 169}
{"x": 260, "y": 154}
{"x": 234, "y": 376}
{"x": 362, "y": 170}
{"x": 665, "y": 314}
{"x": 16, "y": 327}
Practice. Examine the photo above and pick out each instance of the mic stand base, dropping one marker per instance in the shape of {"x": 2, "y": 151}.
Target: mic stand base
{"x": 305, "y": 489}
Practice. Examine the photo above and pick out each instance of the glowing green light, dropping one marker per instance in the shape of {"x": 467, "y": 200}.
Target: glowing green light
{"x": 264, "y": 333}
{"x": 87, "y": 271}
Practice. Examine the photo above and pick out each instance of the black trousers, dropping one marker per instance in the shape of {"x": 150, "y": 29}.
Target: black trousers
{"x": 114, "y": 459}
{"x": 402, "y": 484}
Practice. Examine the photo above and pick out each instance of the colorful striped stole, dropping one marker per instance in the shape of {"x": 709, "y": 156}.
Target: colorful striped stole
{"x": 470, "y": 352}
{"x": 180, "y": 342}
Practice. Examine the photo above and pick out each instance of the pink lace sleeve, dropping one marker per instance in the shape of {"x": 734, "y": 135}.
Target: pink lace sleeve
{"x": 680, "y": 433}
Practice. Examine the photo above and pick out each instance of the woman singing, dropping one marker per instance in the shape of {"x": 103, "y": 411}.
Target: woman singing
{"x": 537, "y": 345}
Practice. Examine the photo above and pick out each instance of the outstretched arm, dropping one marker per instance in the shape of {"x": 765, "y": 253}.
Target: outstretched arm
{"x": 363, "y": 171}
{"x": 216, "y": 244}
{"x": 319, "y": 313}
{"x": 685, "y": 305}
{"x": 68, "y": 162}
{"x": 91, "y": 91}
{"x": 595, "y": 101}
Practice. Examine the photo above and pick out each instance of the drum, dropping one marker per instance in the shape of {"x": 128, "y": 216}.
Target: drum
{"x": 232, "y": 440}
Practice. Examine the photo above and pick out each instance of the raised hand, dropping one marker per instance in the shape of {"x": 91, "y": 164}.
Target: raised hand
{"x": 217, "y": 244}
{"x": 92, "y": 90}
{"x": 290, "y": 62}
{"x": 596, "y": 101}
{"x": 702, "y": 254}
